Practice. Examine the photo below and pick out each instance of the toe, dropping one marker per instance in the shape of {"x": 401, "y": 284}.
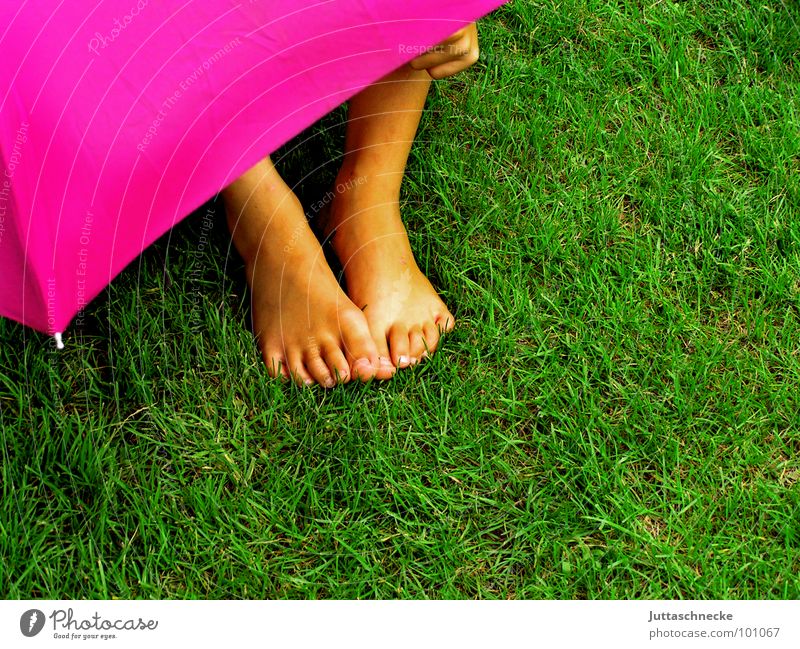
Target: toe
{"x": 386, "y": 367}
{"x": 446, "y": 321}
{"x": 298, "y": 370}
{"x": 276, "y": 365}
{"x": 337, "y": 364}
{"x": 363, "y": 369}
{"x": 377, "y": 331}
{"x": 318, "y": 369}
{"x": 416, "y": 343}
{"x": 356, "y": 337}
{"x": 358, "y": 346}
{"x": 431, "y": 337}
{"x": 398, "y": 345}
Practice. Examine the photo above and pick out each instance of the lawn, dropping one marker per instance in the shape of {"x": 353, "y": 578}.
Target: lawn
{"x": 609, "y": 201}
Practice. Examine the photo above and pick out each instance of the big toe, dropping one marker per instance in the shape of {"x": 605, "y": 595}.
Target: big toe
{"x": 387, "y": 365}
{"x": 398, "y": 346}
{"x": 359, "y": 347}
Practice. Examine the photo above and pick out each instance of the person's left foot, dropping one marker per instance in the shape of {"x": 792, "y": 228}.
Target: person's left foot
{"x": 405, "y": 314}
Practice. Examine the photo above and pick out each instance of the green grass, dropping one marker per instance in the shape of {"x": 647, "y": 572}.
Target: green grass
{"x": 610, "y": 202}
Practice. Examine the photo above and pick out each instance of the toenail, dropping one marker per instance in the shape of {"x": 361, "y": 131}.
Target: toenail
{"x": 363, "y": 364}
{"x": 386, "y": 362}
{"x": 308, "y": 382}
{"x": 404, "y": 360}
{"x": 329, "y": 383}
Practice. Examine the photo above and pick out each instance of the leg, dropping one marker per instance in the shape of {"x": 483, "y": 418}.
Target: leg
{"x": 404, "y": 312}
{"x": 305, "y": 325}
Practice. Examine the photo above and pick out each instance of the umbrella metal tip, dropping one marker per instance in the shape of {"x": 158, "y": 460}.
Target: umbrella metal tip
{"x": 59, "y": 341}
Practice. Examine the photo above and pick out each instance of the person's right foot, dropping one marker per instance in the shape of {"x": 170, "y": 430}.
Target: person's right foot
{"x": 306, "y": 327}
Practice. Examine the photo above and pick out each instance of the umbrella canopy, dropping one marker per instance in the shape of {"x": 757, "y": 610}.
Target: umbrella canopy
{"x": 119, "y": 118}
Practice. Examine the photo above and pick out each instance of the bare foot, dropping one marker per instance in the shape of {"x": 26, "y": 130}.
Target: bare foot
{"x": 403, "y": 310}
{"x": 306, "y": 327}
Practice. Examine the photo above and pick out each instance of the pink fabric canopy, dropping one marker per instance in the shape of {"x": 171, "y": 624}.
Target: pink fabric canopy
{"x": 120, "y": 117}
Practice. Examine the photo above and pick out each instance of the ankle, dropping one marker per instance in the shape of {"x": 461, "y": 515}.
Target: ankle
{"x": 358, "y": 178}
{"x": 268, "y": 228}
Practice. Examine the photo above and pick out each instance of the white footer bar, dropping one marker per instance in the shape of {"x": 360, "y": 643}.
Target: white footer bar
{"x": 373, "y": 625}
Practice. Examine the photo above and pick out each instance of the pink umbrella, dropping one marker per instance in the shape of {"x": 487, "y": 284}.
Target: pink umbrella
{"x": 120, "y": 118}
